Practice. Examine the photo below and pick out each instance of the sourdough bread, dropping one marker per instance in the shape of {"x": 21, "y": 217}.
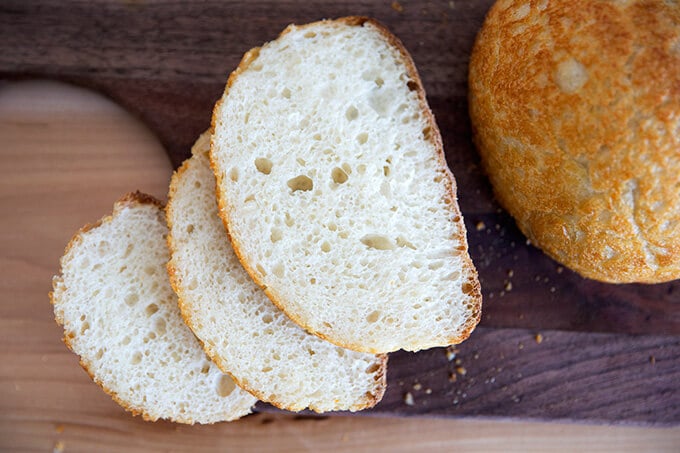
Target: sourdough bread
{"x": 332, "y": 182}
{"x": 120, "y": 315}
{"x": 239, "y": 327}
{"x": 576, "y": 112}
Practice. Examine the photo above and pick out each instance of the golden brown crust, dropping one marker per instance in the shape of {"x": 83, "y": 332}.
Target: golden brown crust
{"x": 575, "y": 108}
{"x": 447, "y": 177}
{"x": 369, "y": 400}
{"x": 128, "y": 200}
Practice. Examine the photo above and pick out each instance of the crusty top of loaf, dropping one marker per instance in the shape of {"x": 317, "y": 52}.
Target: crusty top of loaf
{"x": 333, "y": 185}
{"x": 576, "y": 112}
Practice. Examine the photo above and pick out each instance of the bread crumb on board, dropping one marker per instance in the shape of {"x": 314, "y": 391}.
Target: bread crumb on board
{"x": 58, "y": 447}
{"x": 538, "y": 338}
{"x": 417, "y": 386}
{"x": 451, "y": 353}
{"x": 408, "y": 399}
{"x": 397, "y": 7}
{"x": 480, "y": 226}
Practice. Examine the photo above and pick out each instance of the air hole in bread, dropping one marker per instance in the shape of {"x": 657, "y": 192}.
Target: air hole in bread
{"x": 224, "y": 386}
{"x": 205, "y": 368}
{"x": 136, "y": 358}
{"x": 267, "y": 369}
{"x": 311, "y": 351}
{"x": 263, "y": 165}
{"x": 377, "y": 242}
{"x": 325, "y": 247}
{"x": 288, "y": 220}
{"x": 126, "y": 341}
{"x": 190, "y": 229}
{"x": 302, "y": 183}
{"x": 427, "y": 133}
{"x": 312, "y": 281}
{"x": 267, "y": 318}
{"x": 285, "y": 93}
{"x": 317, "y": 137}
{"x": 328, "y": 325}
{"x": 151, "y": 309}
{"x": 403, "y": 242}
{"x": 131, "y": 299}
{"x": 233, "y": 174}
{"x": 386, "y": 170}
{"x": 103, "y": 248}
{"x": 278, "y": 270}
{"x": 373, "y": 316}
{"x": 160, "y": 327}
{"x": 436, "y": 265}
{"x": 150, "y": 270}
{"x": 128, "y": 250}
{"x": 100, "y": 354}
{"x": 352, "y": 113}
{"x": 346, "y": 167}
{"x": 275, "y": 235}
{"x": 362, "y": 138}
{"x": 310, "y": 34}
{"x": 361, "y": 168}
{"x": 261, "y": 270}
{"x": 379, "y": 81}
{"x": 467, "y": 288}
{"x": 339, "y": 176}
{"x": 412, "y": 85}
{"x": 84, "y": 327}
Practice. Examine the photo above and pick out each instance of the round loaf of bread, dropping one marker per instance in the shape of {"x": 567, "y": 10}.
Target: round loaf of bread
{"x": 575, "y": 108}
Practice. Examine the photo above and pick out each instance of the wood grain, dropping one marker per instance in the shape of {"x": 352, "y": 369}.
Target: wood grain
{"x": 66, "y": 156}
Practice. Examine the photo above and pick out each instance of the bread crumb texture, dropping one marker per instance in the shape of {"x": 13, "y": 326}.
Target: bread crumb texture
{"x": 575, "y": 109}
{"x": 240, "y": 328}
{"x": 334, "y": 187}
{"x": 121, "y": 317}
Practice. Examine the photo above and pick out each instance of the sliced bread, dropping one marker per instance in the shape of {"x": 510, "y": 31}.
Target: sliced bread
{"x": 120, "y": 315}
{"x": 240, "y": 329}
{"x": 332, "y": 182}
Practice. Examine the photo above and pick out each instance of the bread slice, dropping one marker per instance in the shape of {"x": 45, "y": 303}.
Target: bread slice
{"x": 120, "y": 315}
{"x": 240, "y": 329}
{"x": 332, "y": 182}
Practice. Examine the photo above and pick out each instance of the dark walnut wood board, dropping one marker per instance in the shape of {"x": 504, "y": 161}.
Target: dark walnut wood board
{"x": 609, "y": 353}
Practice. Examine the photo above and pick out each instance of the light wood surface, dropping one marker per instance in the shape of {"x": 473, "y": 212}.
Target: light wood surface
{"x": 67, "y": 155}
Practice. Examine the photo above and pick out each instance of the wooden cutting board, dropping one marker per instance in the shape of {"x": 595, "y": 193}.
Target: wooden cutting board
{"x": 551, "y": 345}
